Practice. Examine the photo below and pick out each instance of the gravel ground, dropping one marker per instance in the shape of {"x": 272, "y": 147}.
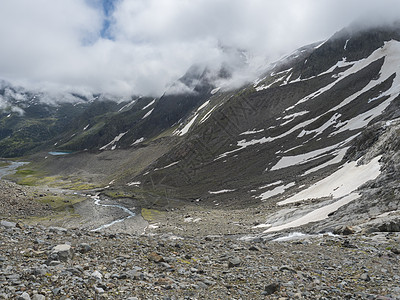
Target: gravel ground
{"x": 188, "y": 253}
{"x": 18, "y": 201}
{"x": 38, "y": 262}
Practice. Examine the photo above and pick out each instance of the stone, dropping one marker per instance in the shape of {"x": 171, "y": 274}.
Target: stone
{"x": 84, "y": 248}
{"x": 24, "y": 296}
{"x": 58, "y": 229}
{"x": 287, "y": 268}
{"x": 38, "y": 297}
{"x": 395, "y": 250}
{"x": 365, "y": 277}
{"x": 8, "y": 224}
{"x": 155, "y": 257}
{"x": 347, "y": 244}
{"x": 99, "y": 290}
{"x": 234, "y": 262}
{"x": 63, "y": 252}
{"x": 344, "y": 230}
{"x": 254, "y": 248}
{"x": 38, "y": 271}
{"x": 56, "y": 291}
{"x": 96, "y": 274}
{"x": 271, "y": 288}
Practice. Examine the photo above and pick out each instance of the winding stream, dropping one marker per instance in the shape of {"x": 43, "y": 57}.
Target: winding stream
{"x": 130, "y": 213}
{"x": 11, "y": 168}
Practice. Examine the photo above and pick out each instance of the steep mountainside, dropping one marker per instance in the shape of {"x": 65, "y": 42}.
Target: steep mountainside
{"x": 326, "y": 111}
{"x": 313, "y": 139}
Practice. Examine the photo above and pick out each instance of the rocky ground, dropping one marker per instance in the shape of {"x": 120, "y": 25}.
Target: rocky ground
{"x": 55, "y": 263}
{"x": 17, "y": 201}
{"x": 188, "y": 252}
{"x": 187, "y": 255}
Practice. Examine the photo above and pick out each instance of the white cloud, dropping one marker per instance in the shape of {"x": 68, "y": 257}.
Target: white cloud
{"x": 57, "y": 44}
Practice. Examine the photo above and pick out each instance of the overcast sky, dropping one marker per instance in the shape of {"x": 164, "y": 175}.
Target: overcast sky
{"x": 127, "y": 47}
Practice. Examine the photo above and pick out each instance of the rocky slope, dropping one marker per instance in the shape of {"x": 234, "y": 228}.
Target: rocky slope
{"x": 285, "y": 188}
{"x": 55, "y": 263}
{"x": 18, "y": 201}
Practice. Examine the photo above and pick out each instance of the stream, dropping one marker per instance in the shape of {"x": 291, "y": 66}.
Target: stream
{"x": 97, "y": 201}
{"x": 11, "y": 168}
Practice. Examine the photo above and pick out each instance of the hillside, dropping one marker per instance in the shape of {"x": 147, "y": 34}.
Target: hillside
{"x": 293, "y": 176}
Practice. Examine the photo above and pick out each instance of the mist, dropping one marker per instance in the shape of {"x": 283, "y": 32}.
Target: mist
{"x": 127, "y": 47}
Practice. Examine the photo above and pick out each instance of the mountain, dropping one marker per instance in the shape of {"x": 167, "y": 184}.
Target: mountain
{"x": 313, "y": 136}
{"x": 313, "y": 142}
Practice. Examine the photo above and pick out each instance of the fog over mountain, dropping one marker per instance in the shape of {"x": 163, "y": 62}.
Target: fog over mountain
{"x": 124, "y": 47}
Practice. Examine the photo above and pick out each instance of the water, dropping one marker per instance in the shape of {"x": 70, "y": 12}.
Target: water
{"x": 11, "y": 168}
{"x": 130, "y": 213}
{"x": 57, "y": 153}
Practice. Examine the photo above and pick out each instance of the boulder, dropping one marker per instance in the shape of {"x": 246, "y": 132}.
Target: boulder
{"x": 61, "y": 252}
{"x": 8, "y": 224}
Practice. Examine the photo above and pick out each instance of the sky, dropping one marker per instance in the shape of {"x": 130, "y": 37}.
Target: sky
{"x": 126, "y": 47}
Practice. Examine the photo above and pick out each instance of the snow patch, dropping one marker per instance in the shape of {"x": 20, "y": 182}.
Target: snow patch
{"x": 185, "y": 129}
{"x": 167, "y": 166}
{"x": 316, "y": 47}
{"x": 267, "y": 86}
{"x": 214, "y": 91}
{"x": 220, "y": 192}
{"x": 341, "y": 183}
{"x": 208, "y": 114}
{"x": 150, "y": 104}
{"x": 317, "y": 215}
{"x": 127, "y": 105}
{"x": 203, "y": 105}
{"x": 112, "y": 143}
{"x": 290, "y": 237}
{"x": 251, "y": 132}
{"x": 337, "y": 159}
{"x": 138, "y": 141}
{"x": 333, "y": 120}
{"x": 276, "y": 191}
{"x": 148, "y": 114}
{"x": 270, "y": 184}
{"x": 345, "y": 44}
{"x": 244, "y": 144}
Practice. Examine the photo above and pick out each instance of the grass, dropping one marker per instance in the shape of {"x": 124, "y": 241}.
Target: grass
{"x": 150, "y": 214}
{"x": 30, "y": 177}
{"x": 61, "y": 203}
{"x": 52, "y": 217}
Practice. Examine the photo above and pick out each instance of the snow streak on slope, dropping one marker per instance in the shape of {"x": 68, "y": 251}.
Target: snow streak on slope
{"x": 185, "y": 129}
{"x": 391, "y": 66}
{"x": 341, "y": 183}
{"x": 150, "y": 104}
{"x": 339, "y": 155}
{"x": 148, "y": 113}
{"x": 112, "y": 143}
{"x": 244, "y": 143}
{"x": 276, "y": 191}
{"x": 288, "y": 161}
{"x": 317, "y": 215}
{"x": 390, "y": 51}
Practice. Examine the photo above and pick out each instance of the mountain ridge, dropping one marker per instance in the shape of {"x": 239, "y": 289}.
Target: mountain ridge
{"x": 305, "y": 119}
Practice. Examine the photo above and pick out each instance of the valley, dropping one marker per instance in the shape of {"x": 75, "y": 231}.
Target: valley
{"x": 286, "y": 187}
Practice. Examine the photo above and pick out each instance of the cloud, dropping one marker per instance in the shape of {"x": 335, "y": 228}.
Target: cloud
{"x": 125, "y": 47}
